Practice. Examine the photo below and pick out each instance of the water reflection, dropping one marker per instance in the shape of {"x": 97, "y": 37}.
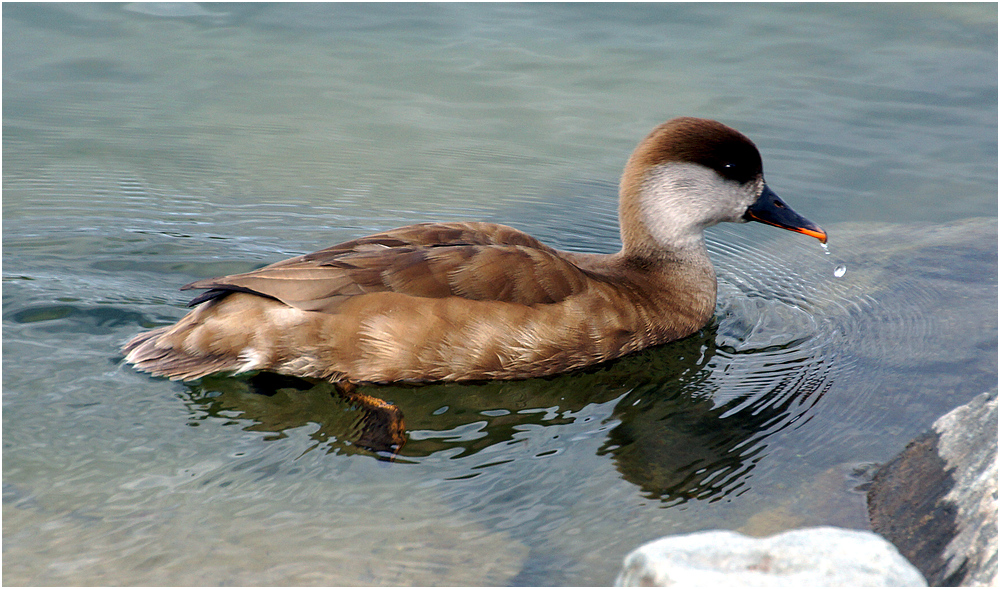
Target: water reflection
{"x": 675, "y": 422}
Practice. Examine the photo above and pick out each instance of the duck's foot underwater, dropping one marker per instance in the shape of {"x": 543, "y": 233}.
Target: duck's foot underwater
{"x": 383, "y": 431}
{"x": 382, "y": 428}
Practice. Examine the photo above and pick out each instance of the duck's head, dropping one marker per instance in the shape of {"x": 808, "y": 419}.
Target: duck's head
{"x": 689, "y": 174}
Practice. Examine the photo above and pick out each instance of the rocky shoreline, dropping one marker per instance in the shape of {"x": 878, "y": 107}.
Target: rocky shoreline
{"x": 933, "y": 511}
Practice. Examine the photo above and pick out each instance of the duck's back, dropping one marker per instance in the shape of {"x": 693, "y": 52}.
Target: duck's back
{"x": 440, "y": 301}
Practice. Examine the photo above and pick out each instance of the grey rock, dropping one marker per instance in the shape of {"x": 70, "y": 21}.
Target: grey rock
{"x": 825, "y": 556}
{"x": 937, "y": 500}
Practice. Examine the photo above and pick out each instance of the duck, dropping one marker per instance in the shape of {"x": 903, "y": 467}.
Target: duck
{"x": 474, "y": 301}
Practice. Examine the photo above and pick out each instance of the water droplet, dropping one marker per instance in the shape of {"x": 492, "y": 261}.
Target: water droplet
{"x": 840, "y": 271}
{"x": 826, "y": 250}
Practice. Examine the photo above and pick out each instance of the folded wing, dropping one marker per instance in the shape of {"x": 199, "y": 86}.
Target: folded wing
{"x": 478, "y": 261}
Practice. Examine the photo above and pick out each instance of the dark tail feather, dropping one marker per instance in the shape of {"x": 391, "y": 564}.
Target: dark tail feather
{"x": 147, "y": 354}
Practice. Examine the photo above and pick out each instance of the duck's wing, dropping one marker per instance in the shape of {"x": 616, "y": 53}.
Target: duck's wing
{"x": 477, "y": 261}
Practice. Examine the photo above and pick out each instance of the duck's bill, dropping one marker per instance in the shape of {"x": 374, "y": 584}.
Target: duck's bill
{"x": 772, "y": 210}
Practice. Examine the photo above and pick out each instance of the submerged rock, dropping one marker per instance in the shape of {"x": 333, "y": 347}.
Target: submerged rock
{"x": 937, "y": 500}
{"x": 830, "y": 557}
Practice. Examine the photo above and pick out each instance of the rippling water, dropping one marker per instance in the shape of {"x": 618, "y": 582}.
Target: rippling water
{"x": 148, "y": 145}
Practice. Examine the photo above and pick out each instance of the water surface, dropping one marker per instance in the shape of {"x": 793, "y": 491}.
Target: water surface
{"x": 146, "y": 146}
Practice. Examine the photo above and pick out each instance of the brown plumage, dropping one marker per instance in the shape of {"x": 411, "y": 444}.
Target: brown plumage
{"x": 473, "y": 301}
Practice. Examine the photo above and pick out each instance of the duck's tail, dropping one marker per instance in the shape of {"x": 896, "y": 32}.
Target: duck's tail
{"x": 191, "y": 349}
{"x": 156, "y": 354}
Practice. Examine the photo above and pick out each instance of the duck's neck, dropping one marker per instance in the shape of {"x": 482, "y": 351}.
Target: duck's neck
{"x": 684, "y": 277}
{"x": 674, "y": 296}
{"x": 670, "y": 244}
{"x": 675, "y": 265}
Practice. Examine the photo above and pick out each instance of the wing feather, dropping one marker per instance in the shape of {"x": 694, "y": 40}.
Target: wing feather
{"x": 478, "y": 261}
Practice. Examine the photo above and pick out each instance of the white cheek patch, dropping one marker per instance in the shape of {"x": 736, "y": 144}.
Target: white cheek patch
{"x": 680, "y": 200}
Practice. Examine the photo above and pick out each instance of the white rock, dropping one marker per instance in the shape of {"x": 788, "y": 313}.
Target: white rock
{"x": 826, "y": 556}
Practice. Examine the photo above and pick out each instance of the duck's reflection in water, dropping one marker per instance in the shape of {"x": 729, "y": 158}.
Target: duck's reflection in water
{"x": 681, "y": 428}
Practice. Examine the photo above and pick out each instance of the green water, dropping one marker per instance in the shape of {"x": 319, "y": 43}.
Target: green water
{"x": 146, "y": 146}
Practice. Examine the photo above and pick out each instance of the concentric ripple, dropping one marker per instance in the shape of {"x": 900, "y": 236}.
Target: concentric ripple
{"x": 776, "y": 341}
{"x": 791, "y": 322}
